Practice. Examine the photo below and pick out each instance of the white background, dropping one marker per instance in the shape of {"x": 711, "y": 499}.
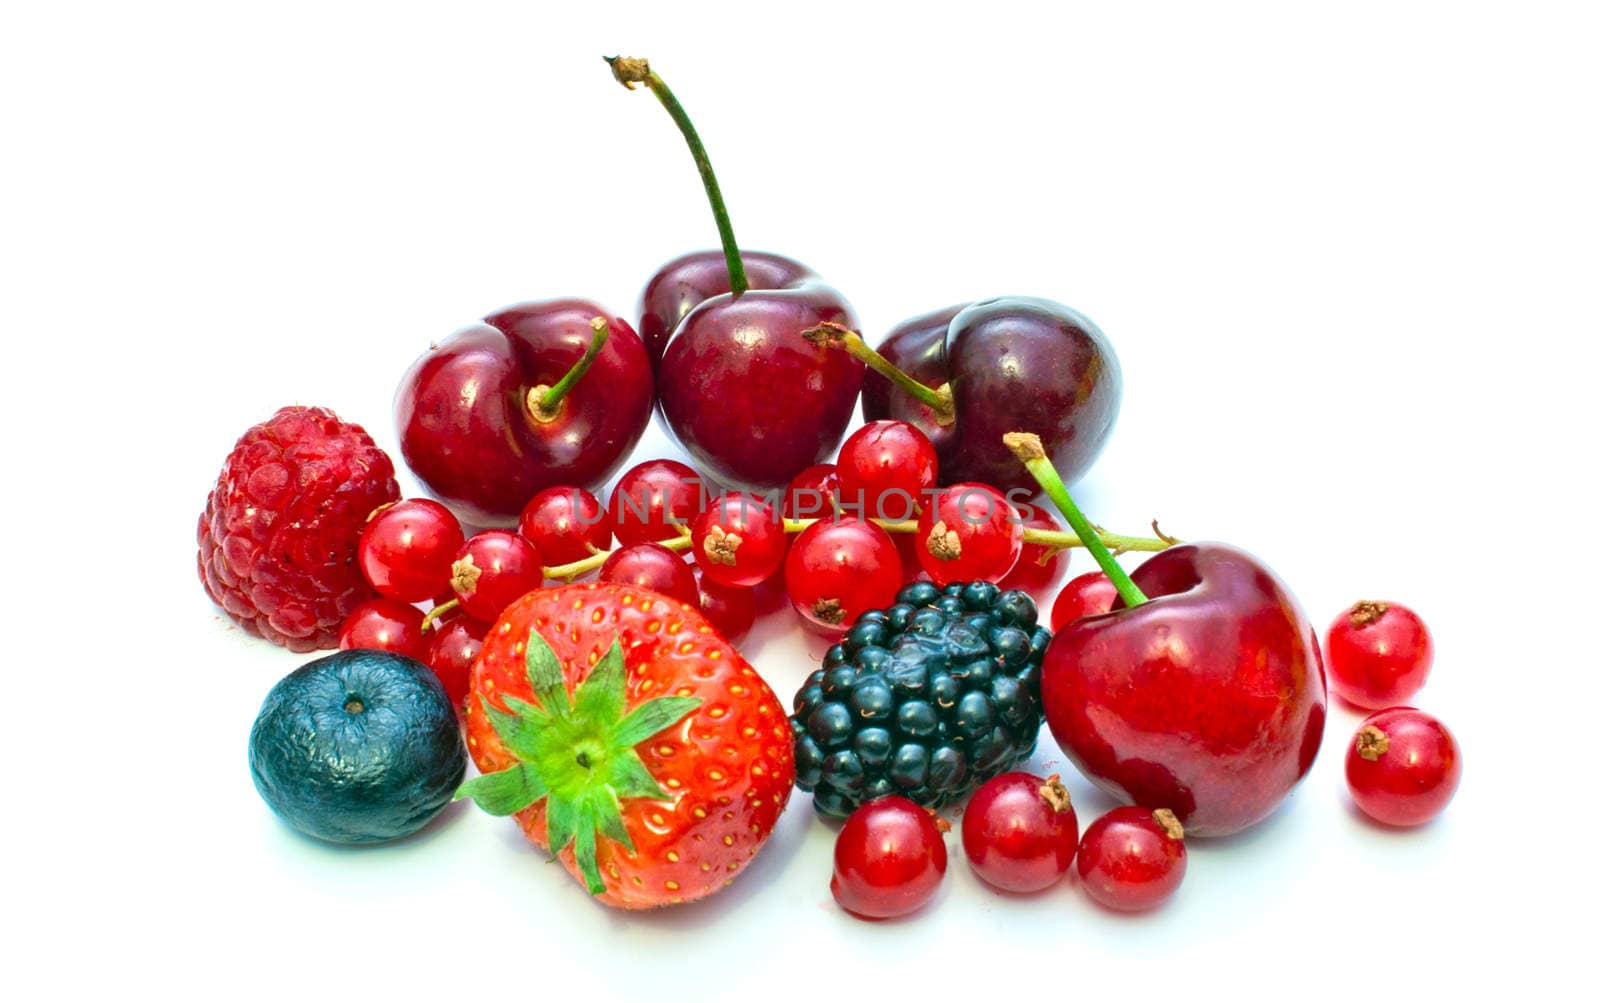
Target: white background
{"x": 1348, "y": 258}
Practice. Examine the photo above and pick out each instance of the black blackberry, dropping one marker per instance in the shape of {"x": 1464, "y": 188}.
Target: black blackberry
{"x": 928, "y": 698}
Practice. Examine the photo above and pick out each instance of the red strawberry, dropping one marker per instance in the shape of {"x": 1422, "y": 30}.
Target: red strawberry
{"x": 629, "y": 737}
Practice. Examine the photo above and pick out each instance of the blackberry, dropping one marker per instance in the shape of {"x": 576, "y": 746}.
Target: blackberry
{"x": 927, "y": 698}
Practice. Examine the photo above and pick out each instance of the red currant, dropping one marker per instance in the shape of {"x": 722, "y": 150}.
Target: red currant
{"x": 836, "y": 571}
{"x": 452, "y": 651}
{"x": 732, "y": 611}
{"x": 385, "y": 625}
{"x": 1403, "y": 766}
{"x": 652, "y": 566}
{"x": 653, "y": 499}
{"x": 739, "y": 540}
{"x": 889, "y": 858}
{"x": 492, "y": 570}
{"x": 1040, "y": 567}
{"x": 1132, "y": 858}
{"x": 812, "y": 493}
{"x": 1379, "y": 654}
{"x": 969, "y": 533}
{"x": 565, "y": 524}
{"x": 406, "y": 548}
{"x": 1020, "y": 832}
{"x": 1086, "y": 595}
{"x": 884, "y": 469}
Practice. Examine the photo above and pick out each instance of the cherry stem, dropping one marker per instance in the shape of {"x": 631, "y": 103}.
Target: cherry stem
{"x": 1028, "y": 448}
{"x": 438, "y": 611}
{"x": 941, "y": 401}
{"x": 545, "y": 408}
{"x": 576, "y": 568}
{"x": 637, "y": 71}
{"x": 1054, "y": 539}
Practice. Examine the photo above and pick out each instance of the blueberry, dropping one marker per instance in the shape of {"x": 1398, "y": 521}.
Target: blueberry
{"x": 974, "y": 716}
{"x": 873, "y": 745}
{"x": 928, "y": 622}
{"x": 807, "y": 699}
{"x": 949, "y": 605}
{"x": 835, "y": 655}
{"x": 918, "y": 594}
{"x": 979, "y": 674}
{"x": 945, "y": 690}
{"x": 864, "y": 634}
{"x": 1016, "y": 607}
{"x": 843, "y": 770}
{"x": 979, "y": 596}
{"x": 916, "y": 719}
{"x": 872, "y": 659}
{"x": 872, "y": 699}
{"x": 947, "y": 767}
{"x": 807, "y": 762}
{"x": 830, "y": 725}
{"x": 1010, "y": 646}
{"x": 837, "y": 681}
{"x": 872, "y": 616}
{"x": 910, "y": 766}
{"x": 898, "y": 615}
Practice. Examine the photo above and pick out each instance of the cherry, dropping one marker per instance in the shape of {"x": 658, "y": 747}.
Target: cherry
{"x": 813, "y": 493}
{"x": 889, "y": 858}
{"x": 1378, "y": 653}
{"x": 684, "y": 283}
{"x": 536, "y": 396}
{"x": 1132, "y": 859}
{"x": 739, "y": 540}
{"x": 967, "y": 375}
{"x": 836, "y": 571}
{"x": 969, "y": 533}
{"x": 451, "y": 652}
{"x": 885, "y": 468}
{"x": 652, "y": 566}
{"x": 1020, "y": 832}
{"x": 492, "y": 570}
{"x": 654, "y": 500}
{"x": 406, "y": 548}
{"x": 740, "y": 388}
{"x": 1086, "y": 595}
{"x": 732, "y": 611}
{"x": 1040, "y": 567}
{"x": 385, "y": 625}
{"x": 565, "y": 524}
{"x": 1403, "y": 766}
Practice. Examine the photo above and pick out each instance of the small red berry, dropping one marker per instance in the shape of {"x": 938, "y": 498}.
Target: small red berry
{"x": 739, "y": 540}
{"x": 885, "y": 468}
{"x": 812, "y": 493}
{"x": 406, "y": 549}
{"x": 889, "y": 859}
{"x": 732, "y": 611}
{"x": 1040, "y": 567}
{"x": 452, "y": 651}
{"x": 654, "y": 567}
{"x": 654, "y": 498}
{"x": 1020, "y": 832}
{"x": 1403, "y": 766}
{"x": 385, "y": 625}
{"x": 836, "y": 571}
{"x": 492, "y": 570}
{"x": 1379, "y": 654}
{"x": 1132, "y": 858}
{"x": 565, "y": 524}
{"x": 1086, "y": 595}
{"x": 969, "y": 533}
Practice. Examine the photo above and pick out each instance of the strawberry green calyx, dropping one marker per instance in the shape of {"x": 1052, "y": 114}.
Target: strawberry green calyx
{"x": 577, "y": 754}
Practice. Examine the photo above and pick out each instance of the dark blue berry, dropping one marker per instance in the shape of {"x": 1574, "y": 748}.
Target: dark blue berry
{"x": 974, "y": 716}
{"x": 872, "y": 699}
{"x": 864, "y": 634}
{"x": 836, "y": 655}
{"x": 807, "y": 699}
{"x": 882, "y": 787}
{"x": 927, "y": 622}
{"x": 873, "y": 745}
{"x": 836, "y": 682}
{"x": 917, "y": 719}
{"x": 808, "y": 757}
{"x": 945, "y": 690}
{"x": 873, "y": 659}
{"x": 843, "y": 771}
{"x": 872, "y": 616}
{"x": 1016, "y": 607}
{"x": 964, "y": 644}
{"x": 979, "y": 596}
{"x": 947, "y": 767}
{"x": 830, "y": 725}
{"x": 918, "y": 594}
{"x": 949, "y": 605}
{"x": 1010, "y": 645}
{"x": 898, "y": 615}
{"x": 833, "y": 803}
{"x": 910, "y": 766}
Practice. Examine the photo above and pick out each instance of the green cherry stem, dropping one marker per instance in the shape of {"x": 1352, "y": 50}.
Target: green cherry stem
{"x": 940, "y": 401}
{"x": 637, "y": 71}
{"x": 1027, "y": 447}
{"x": 1053, "y": 539}
{"x": 544, "y": 403}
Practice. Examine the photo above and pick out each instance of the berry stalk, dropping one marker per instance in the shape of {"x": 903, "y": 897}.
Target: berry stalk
{"x": 637, "y": 71}
{"x": 941, "y": 401}
{"x": 545, "y": 402}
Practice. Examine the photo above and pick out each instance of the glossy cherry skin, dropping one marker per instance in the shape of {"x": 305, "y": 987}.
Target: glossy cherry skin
{"x": 684, "y": 283}
{"x": 1020, "y": 832}
{"x": 813, "y": 493}
{"x": 565, "y": 524}
{"x": 1132, "y": 859}
{"x": 1088, "y": 594}
{"x": 652, "y": 566}
{"x": 406, "y": 548}
{"x": 385, "y": 625}
{"x": 454, "y": 647}
{"x": 885, "y": 471}
{"x": 732, "y": 611}
{"x": 1013, "y": 364}
{"x": 654, "y": 499}
{"x": 1209, "y": 699}
{"x": 465, "y": 423}
{"x": 836, "y": 571}
{"x": 746, "y": 396}
{"x": 966, "y": 533}
{"x": 1039, "y": 568}
{"x": 492, "y": 570}
{"x": 889, "y": 859}
{"x": 1403, "y": 766}
{"x": 1379, "y": 654}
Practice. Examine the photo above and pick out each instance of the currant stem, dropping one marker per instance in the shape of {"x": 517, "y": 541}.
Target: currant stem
{"x": 437, "y": 612}
{"x": 1027, "y": 448}
{"x": 1053, "y": 538}
{"x": 637, "y": 71}
{"x": 941, "y": 401}
{"x": 576, "y": 568}
{"x": 546, "y": 407}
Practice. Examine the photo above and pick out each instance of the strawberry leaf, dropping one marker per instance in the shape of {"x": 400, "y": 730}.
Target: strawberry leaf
{"x": 504, "y": 792}
{"x": 518, "y": 731}
{"x": 544, "y": 674}
{"x": 600, "y": 696}
{"x": 631, "y": 779}
{"x": 649, "y": 718}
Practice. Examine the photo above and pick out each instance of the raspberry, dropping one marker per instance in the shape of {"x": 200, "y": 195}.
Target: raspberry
{"x": 278, "y": 536}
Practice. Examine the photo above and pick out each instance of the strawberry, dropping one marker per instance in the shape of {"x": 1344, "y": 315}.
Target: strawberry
{"x": 630, "y": 739}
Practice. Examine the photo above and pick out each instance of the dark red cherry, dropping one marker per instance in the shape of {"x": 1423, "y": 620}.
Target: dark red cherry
{"x": 684, "y": 283}
{"x": 1089, "y": 594}
{"x": 471, "y": 415}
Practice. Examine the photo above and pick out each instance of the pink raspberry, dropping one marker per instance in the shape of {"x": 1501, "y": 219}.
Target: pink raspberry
{"x": 278, "y": 536}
